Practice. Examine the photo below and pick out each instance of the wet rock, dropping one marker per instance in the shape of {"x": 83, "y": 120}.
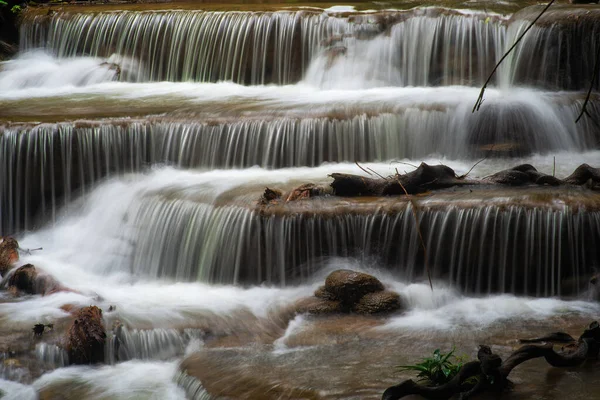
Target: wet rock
{"x": 584, "y": 174}
{"x": 347, "y": 291}
{"x": 315, "y": 305}
{"x": 30, "y": 280}
{"x": 86, "y": 337}
{"x": 378, "y": 302}
{"x": 322, "y": 293}
{"x": 9, "y": 254}
{"x": 524, "y": 174}
{"x": 349, "y": 286}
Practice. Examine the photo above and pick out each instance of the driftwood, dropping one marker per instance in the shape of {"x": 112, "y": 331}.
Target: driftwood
{"x": 424, "y": 178}
{"x": 427, "y": 178}
{"x": 492, "y": 373}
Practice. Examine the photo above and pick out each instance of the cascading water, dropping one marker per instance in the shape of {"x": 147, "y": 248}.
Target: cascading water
{"x": 134, "y": 146}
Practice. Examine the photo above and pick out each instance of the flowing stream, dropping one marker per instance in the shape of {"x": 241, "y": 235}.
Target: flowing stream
{"x": 134, "y": 145}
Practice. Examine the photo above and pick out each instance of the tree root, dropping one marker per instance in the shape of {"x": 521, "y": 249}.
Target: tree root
{"x": 492, "y": 373}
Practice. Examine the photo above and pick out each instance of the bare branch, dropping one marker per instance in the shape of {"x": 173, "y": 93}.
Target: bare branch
{"x": 479, "y": 101}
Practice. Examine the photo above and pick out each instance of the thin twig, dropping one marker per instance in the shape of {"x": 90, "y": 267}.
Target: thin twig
{"x": 405, "y": 163}
{"x": 478, "y": 162}
{"x": 589, "y": 93}
{"x": 479, "y": 101}
{"x": 373, "y": 171}
{"x": 554, "y": 167}
{"x": 418, "y": 225}
{"x": 359, "y": 166}
{"x": 28, "y": 251}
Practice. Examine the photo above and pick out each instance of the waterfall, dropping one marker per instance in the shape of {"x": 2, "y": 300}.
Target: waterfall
{"x": 533, "y": 250}
{"x": 419, "y": 47}
{"x": 136, "y": 145}
{"x": 252, "y": 48}
{"x": 44, "y": 167}
{"x": 557, "y": 53}
{"x": 158, "y": 344}
{"x": 422, "y": 47}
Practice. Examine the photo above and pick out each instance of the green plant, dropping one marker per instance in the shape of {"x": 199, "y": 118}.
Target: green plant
{"x": 3, "y": 3}
{"x": 15, "y": 9}
{"x": 438, "y": 369}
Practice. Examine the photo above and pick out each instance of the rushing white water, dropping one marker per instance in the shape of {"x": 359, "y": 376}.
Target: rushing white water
{"x": 141, "y": 193}
{"x": 129, "y": 380}
{"x": 176, "y": 224}
{"x": 38, "y": 70}
{"x": 44, "y": 166}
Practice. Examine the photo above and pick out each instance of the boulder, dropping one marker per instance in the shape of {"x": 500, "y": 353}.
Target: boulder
{"x": 349, "y": 286}
{"x": 30, "y": 280}
{"x": 9, "y": 254}
{"x": 584, "y": 174}
{"x": 86, "y": 337}
{"x": 378, "y": 302}
{"x": 347, "y": 291}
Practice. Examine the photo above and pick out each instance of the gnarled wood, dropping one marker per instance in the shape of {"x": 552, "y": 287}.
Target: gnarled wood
{"x": 492, "y": 372}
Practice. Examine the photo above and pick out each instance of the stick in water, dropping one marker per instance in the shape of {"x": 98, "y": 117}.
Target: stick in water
{"x": 479, "y": 101}
{"x": 28, "y": 251}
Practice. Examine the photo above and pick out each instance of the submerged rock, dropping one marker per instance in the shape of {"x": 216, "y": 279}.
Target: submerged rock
{"x": 86, "y": 337}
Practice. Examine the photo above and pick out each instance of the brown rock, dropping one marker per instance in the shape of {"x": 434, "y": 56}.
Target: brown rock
{"x": 378, "y": 302}
{"x": 86, "y": 337}
{"x": 314, "y": 305}
{"x": 30, "y": 280}
{"x": 349, "y": 286}
{"x": 9, "y": 254}
{"x": 583, "y": 174}
{"x": 322, "y": 293}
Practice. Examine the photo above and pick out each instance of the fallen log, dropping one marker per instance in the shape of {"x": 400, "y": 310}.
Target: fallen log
{"x": 424, "y": 178}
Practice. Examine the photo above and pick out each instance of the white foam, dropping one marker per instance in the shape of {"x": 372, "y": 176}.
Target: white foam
{"x": 128, "y": 380}
{"x": 38, "y": 70}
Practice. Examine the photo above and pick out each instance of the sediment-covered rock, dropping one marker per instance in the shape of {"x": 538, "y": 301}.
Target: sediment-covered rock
{"x": 86, "y": 337}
